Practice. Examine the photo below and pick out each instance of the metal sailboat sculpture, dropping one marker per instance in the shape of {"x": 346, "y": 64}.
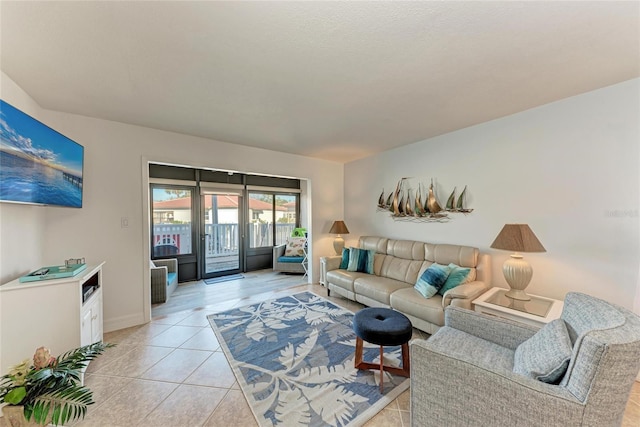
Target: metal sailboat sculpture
{"x": 460, "y": 204}
{"x": 403, "y": 205}
{"x": 432, "y": 203}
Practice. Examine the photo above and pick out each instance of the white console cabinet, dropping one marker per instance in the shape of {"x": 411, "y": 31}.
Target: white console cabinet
{"x": 60, "y": 314}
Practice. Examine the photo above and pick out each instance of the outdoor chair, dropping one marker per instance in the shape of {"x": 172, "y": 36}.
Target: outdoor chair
{"x": 164, "y": 279}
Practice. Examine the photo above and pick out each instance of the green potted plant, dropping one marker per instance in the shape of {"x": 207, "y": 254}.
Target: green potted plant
{"x": 48, "y": 389}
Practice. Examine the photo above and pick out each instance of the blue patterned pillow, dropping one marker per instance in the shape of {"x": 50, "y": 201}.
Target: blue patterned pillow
{"x": 432, "y": 279}
{"x": 458, "y": 276}
{"x": 545, "y": 356}
{"x": 344, "y": 263}
{"x": 361, "y": 260}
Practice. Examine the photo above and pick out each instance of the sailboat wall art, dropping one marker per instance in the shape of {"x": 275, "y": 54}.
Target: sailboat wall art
{"x": 406, "y": 204}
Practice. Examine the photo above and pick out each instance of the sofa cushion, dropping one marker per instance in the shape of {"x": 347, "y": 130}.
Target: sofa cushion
{"x": 406, "y": 249}
{"x": 545, "y": 356}
{"x": 378, "y": 244}
{"x": 295, "y": 246}
{"x": 432, "y": 279}
{"x": 409, "y": 301}
{"x": 361, "y": 260}
{"x": 405, "y": 270}
{"x": 378, "y": 288}
{"x": 464, "y": 256}
{"x": 343, "y": 278}
{"x": 457, "y": 276}
{"x": 378, "y": 261}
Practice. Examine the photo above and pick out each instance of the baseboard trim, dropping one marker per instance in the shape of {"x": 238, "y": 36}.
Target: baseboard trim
{"x": 122, "y": 322}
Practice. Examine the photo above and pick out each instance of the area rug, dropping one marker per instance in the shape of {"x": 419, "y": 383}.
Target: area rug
{"x": 223, "y": 279}
{"x": 293, "y": 358}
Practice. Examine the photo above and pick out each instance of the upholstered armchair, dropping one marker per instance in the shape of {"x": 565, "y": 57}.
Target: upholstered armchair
{"x": 464, "y": 375}
{"x": 164, "y": 279}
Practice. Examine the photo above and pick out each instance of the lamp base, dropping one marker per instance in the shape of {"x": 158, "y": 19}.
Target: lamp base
{"x": 338, "y": 245}
{"x": 517, "y": 273}
{"x": 517, "y": 294}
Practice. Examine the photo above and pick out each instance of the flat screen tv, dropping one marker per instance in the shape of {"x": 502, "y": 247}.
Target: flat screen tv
{"x": 37, "y": 164}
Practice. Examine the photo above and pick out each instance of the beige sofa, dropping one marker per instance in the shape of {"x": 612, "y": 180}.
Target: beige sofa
{"x": 397, "y": 266}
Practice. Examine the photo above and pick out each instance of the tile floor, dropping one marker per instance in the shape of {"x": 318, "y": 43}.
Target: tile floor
{"x": 172, "y": 372}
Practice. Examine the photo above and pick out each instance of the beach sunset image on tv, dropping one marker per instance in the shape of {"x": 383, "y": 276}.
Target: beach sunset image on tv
{"x": 37, "y": 164}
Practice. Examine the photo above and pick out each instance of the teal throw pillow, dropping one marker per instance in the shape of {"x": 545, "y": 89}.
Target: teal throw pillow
{"x": 545, "y": 356}
{"x": 361, "y": 260}
{"x": 457, "y": 276}
{"x": 432, "y": 279}
{"x": 344, "y": 263}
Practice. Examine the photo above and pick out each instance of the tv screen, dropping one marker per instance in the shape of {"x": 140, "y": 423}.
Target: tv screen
{"x": 37, "y": 164}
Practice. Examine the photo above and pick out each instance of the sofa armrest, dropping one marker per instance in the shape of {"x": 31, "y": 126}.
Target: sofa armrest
{"x": 503, "y": 332}
{"x": 463, "y": 295}
{"x": 170, "y": 263}
{"x": 332, "y": 262}
{"x": 444, "y": 387}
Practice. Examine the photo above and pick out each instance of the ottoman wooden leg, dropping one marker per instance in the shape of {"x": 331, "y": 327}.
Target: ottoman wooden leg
{"x": 381, "y": 368}
{"x": 358, "y": 359}
{"x": 406, "y": 364}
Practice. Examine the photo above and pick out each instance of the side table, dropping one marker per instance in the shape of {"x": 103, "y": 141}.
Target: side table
{"x": 537, "y": 312}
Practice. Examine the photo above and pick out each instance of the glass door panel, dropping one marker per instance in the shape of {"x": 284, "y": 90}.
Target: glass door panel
{"x": 286, "y": 216}
{"x": 171, "y": 218}
{"x": 221, "y": 234}
{"x": 260, "y": 220}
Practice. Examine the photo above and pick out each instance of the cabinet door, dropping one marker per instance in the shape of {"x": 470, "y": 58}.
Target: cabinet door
{"x": 96, "y": 319}
{"x": 85, "y": 327}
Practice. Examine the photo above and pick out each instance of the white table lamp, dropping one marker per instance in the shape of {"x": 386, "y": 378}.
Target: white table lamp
{"x": 338, "y": 227}
{"x": 517, "y": 272}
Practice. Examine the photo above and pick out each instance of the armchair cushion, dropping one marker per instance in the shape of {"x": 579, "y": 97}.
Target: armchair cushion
{"x": 545, "y": 356}
{"x": 471, "y": 349}
{"x": 294, "y": 259}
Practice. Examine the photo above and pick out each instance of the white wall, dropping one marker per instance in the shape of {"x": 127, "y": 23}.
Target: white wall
{"x": 115, "y": 187}
{"x": 569, "y": 169}
{"x": 21, "y": 226}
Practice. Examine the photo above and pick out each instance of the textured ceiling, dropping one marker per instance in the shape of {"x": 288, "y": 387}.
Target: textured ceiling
{"x": 332, "y": 80}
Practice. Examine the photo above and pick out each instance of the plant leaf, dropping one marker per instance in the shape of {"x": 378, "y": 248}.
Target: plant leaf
{"x": 15, "y": 396}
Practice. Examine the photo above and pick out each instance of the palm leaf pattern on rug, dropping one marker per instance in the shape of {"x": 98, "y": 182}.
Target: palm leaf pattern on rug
{"x": 294, "y": 359}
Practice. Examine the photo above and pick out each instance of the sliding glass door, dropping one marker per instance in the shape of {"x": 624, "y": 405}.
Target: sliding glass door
{"x": 221, "y": 236}
{"x": 218, "y": 223}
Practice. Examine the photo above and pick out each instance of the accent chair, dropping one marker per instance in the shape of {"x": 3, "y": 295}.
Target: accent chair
{"x": 464, "y": 375}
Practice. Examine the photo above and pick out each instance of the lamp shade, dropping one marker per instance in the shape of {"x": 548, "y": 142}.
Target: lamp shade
{"x": 517, "y": 238}
{"x": 339, "y": 227}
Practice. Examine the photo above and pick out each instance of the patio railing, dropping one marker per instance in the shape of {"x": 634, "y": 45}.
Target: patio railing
{"x": 220, "y": 239}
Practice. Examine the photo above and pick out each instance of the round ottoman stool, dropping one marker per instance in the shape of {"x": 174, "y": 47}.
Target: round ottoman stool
{"x": 384, "y": 327}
